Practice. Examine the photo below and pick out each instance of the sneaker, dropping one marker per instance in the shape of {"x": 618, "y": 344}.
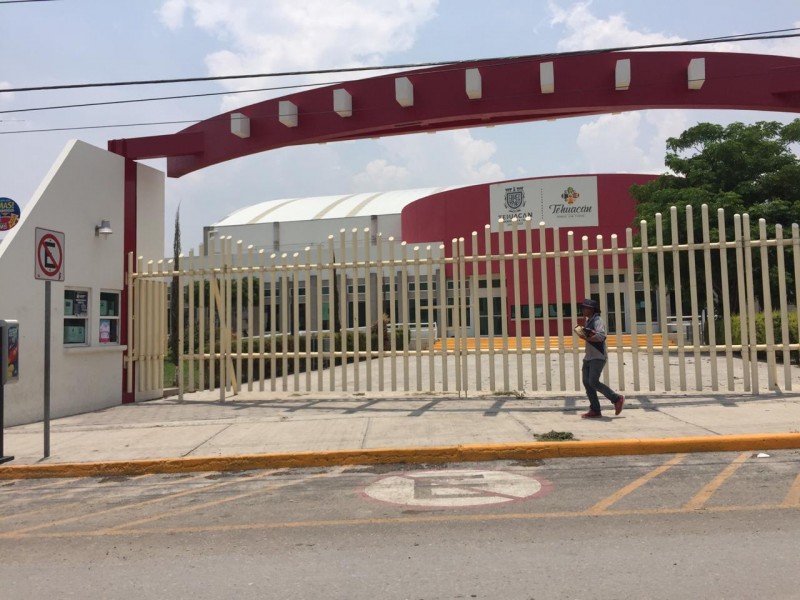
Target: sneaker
{"x": 591, "y": 415}
{"x": 619, "y": 404}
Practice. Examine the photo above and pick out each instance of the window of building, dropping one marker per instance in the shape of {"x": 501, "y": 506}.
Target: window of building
{"x": 76, "y": 317}
{"x": 482, "y": 283}
{"x": 423, "y": 286}
{"x": 109, "y": 318}
{"x": 641, "y": 313}
{"x": 609, "y": 278}
{"x": 362, "y": 288}
{"x": 552, "y": 311}
{"x": 524, "y": 311}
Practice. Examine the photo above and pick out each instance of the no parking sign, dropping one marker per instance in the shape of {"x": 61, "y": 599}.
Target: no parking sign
{"x": 49, "y": 255}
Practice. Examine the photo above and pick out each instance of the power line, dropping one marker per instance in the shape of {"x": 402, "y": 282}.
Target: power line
{"x": 255, "y": 115}
{"x": 767, "y": 35}
{"x": 297, "y": 86}
{"x": 98, "y": 127}
{"x": 158, "y": 98}
{"x": 743, "y": 37}
{"x": 21, "y": 1}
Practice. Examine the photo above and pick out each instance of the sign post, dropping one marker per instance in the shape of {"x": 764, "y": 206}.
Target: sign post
{"x": 49, "y": 266}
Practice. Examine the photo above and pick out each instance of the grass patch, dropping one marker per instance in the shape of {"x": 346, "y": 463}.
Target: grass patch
{"x": 171, "y": 375}
{"x": 554, "y": 436}
{"x": 170, "y": 368}
{"x": 513, "y": 393}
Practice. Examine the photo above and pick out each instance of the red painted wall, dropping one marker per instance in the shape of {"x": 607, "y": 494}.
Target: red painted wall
{"x": 459, "y": 213}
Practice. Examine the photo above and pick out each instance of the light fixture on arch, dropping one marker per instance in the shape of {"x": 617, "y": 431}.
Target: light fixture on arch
{"x": 404, "y": 91}
{"x": 287, "y": 113}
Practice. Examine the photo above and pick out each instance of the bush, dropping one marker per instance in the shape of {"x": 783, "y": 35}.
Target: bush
{"x": 761, "y": 333}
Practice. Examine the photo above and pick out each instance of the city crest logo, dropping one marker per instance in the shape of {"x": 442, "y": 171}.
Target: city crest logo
{"x": 570, "y": 195}
{"x": 515, "y": 198}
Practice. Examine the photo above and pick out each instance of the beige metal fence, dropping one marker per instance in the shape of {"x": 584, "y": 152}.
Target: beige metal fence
{"x": 361, "y": 313}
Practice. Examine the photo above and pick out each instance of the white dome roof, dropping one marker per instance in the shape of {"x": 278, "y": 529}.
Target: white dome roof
{"x": 329, "y": 207}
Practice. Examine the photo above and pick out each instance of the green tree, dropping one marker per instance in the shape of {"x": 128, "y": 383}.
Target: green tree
{"x": 741, "y": 168}
{"x": 174, "y": 291}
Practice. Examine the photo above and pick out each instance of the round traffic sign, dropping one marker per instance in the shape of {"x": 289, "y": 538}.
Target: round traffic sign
{"x": 458, "y": 488}
{"x": 49, "y": 256}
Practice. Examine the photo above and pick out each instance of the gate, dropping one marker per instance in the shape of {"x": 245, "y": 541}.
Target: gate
{"x": 362, "y": 313}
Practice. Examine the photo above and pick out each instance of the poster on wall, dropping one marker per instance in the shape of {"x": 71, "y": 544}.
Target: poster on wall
{"x": 9, "y": 214}
{"x": 81, "y": 304}
{"x": 559, "y": 202}
{"x": 105, "y": 331}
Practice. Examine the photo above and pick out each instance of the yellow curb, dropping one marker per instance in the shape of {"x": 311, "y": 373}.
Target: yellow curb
{"x": 431, "y": 454}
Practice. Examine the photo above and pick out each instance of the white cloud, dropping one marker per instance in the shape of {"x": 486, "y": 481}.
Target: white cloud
{"x": 781, "y": 47}
{"x": 447, "y": 158}
{"x": 632, "y": 142}
{"x": 589, "y": 32}
{"x": 586, "y": 32}
{"x": 610, "y": 143}
{"x": 171, "y": 13}
{"x": 665, "y": 124}
{"x": 380, "y": 175}
{"x": 286, "y": 35}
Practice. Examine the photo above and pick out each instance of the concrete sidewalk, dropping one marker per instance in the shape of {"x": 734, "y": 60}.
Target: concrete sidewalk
{"x": 288, "y": 423}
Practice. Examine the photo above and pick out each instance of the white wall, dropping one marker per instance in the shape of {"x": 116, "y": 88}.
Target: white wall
{"x": 84, "y": 186}
{"x": 149, "y": 212}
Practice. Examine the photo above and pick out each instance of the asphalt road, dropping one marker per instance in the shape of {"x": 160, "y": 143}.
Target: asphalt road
{"x": 673, "y": 526}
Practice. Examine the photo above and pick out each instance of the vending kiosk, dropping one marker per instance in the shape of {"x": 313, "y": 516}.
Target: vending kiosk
{"x": 9, "y": 364}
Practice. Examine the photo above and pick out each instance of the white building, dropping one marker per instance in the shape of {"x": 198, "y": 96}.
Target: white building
{"x": 290, "y": 224}
{"x": 83, "y": 188}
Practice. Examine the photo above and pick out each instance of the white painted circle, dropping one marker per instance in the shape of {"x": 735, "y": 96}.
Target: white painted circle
{"x": 453, "y": 489}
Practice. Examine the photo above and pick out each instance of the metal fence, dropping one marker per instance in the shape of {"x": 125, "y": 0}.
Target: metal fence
{"x": 362, "y": 313}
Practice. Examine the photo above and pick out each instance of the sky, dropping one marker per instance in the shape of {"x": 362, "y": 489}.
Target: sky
{"x": 59, "y": 42}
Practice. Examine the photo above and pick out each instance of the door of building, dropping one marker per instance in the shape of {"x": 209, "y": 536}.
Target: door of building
{"x": 490, "y": 325}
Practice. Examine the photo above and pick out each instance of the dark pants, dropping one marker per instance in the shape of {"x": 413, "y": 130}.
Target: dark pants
{"x": 592, "y": 369}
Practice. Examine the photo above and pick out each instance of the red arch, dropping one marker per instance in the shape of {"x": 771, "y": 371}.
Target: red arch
{"x": 511, "y": 92}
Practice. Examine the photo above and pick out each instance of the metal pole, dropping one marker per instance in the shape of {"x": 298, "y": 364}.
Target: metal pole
{"x": 3, "y": 457}
{"x": 47, "y": 285}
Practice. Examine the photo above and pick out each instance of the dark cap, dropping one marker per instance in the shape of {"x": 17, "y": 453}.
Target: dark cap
{"x": 593, "y": 304}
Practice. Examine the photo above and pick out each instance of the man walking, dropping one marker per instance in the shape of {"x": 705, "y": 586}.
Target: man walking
{"x": 594, "y": 333}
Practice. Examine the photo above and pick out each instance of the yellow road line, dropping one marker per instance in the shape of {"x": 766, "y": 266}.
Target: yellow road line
{"x": 605, "y": 503}
{"x": 705, "y": 494}
{"x": 404, "y": 520}
{"x": 793, "y": 497}
{"x": 58, "y": 483}
{"x": 132, "y": 505}
{"x": 30, "y": 513}
{"x": 188, "y": 509}
{"x": 55, "y": 496}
